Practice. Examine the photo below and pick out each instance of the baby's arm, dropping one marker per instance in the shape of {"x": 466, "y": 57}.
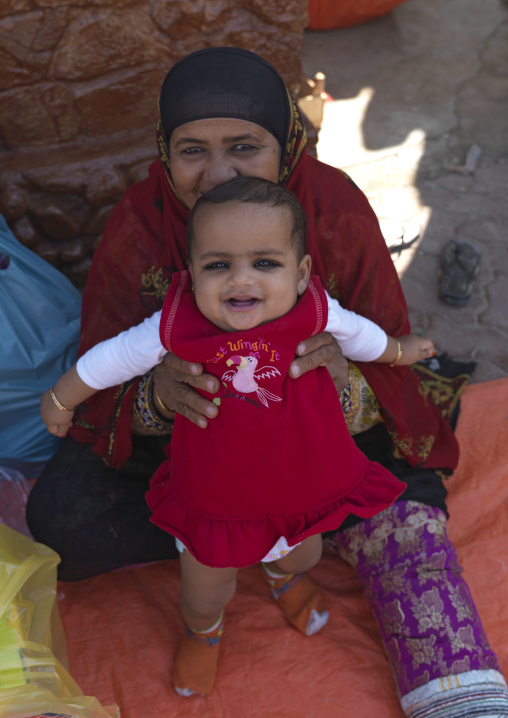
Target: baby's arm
{"x": 131, "y": 353}
{"x": 407, "y": 349}
{"x": 362, "y": 340}
{"x": 58, "y": 403}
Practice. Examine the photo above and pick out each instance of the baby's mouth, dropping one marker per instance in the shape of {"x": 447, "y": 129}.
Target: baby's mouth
{"x": 242, "y": 304}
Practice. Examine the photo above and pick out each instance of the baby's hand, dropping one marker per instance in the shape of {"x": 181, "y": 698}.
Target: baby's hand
{"x": 57, "y": 422}
{"x": 415, "y": 348}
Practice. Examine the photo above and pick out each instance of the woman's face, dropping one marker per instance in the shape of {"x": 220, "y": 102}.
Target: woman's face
{"x": 206, "y": 153}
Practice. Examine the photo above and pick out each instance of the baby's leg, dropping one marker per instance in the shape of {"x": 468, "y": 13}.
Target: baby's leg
{"x": 296, "y": 594}
{"x": 204, "y": 594}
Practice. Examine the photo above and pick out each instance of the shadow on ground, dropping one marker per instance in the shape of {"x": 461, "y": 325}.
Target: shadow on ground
{"x": 412, "y": 93}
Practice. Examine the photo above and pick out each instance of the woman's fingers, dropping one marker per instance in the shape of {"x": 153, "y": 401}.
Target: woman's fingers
{"x": 188, "y": 373}
{"x": 174, "y": 378}
{"x": 174, "y": 387}
{"x": 321, "y": 350}
{"x": 338, "y": 369}
{"x": 192, "y": 405}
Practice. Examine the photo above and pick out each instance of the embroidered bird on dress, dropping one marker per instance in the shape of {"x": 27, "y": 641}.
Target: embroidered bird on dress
{"x": 245, "y": 375}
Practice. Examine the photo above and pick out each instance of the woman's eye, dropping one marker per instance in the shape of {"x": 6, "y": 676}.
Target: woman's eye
{"x": 191, "y": 150}
{"x": 244, "y": 148}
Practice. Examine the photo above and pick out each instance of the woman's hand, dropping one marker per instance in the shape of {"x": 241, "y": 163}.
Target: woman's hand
{"x": 321, "y": 350}
{"x": 174, "y": 378}
{"x": 173, "y": 382}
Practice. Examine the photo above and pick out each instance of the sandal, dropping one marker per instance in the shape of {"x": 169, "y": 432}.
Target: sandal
{"x": 461, "y": 263}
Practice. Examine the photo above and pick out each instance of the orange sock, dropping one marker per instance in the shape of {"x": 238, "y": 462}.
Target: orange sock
{"x": 299, "y": 599}
{"x": 195, "y": 665}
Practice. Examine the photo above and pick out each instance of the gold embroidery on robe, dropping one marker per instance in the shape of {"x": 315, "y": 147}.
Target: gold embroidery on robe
{"x": 154, "y": 283}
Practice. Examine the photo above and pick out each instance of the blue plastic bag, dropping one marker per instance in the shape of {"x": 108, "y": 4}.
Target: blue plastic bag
{"x": 39, "y": 335}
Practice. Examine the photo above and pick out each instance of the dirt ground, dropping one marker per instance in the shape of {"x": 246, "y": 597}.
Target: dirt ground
{"x": 419, "y": 119}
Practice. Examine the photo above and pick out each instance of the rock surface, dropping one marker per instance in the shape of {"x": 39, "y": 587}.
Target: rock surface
{"x": 78, "y": 101}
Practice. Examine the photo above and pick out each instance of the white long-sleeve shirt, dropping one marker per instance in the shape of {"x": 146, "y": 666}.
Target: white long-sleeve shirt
{"x": 137, "y": 350}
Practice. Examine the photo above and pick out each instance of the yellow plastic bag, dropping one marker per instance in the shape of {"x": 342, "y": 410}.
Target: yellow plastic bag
{"x": 33, "y": 681}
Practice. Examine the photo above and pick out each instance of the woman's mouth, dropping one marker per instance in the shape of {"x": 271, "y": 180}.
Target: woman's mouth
{"x": 242, "y": 304}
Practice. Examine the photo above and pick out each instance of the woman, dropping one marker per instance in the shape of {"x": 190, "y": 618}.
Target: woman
{"x": 224, "y": 112}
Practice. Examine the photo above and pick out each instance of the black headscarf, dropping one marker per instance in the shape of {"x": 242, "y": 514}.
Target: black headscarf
{"x": 225, "y": 82}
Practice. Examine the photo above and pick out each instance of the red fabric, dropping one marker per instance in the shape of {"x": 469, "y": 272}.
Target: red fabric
{"x": 144, "y": 243}
{"x": 230, "y": 492}
{"x": 352, "y": 260}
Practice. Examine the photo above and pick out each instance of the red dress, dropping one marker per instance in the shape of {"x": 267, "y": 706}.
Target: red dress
{"x": 278, "y": 460}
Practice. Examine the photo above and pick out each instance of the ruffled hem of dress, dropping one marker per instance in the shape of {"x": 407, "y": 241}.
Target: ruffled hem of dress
{"x": 238, "y": 543}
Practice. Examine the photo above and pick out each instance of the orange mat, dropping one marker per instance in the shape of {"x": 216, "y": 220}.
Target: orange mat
{"x": 330, "y": 14}
{"x": 123, "y": 628}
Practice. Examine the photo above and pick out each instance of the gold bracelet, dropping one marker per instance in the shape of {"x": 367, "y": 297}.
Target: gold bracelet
{"x": 399, "y": 354}
{"x": 56, "y": 402}
{"x": 162, "y": 404}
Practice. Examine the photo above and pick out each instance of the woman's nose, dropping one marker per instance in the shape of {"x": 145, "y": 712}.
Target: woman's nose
{"x": 218, "y": 170}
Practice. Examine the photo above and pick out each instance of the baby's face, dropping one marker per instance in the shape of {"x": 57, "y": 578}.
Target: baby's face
{"x": 244, "y": 268}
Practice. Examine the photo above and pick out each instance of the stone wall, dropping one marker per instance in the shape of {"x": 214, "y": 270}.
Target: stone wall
{"x": 78, "y": 91}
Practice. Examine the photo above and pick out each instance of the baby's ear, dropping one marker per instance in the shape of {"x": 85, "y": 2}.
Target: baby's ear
{"x": 304, "y": 273}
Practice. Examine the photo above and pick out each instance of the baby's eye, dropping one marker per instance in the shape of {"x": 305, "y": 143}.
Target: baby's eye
{"x": 217, "y": 265}
{"x": 265, "y": 263}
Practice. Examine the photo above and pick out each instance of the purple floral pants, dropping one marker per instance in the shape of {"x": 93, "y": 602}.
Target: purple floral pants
{"x": 429, "y": 624}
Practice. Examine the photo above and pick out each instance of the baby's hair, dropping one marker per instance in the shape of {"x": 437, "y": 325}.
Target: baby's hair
{"x": 258, "y": 191}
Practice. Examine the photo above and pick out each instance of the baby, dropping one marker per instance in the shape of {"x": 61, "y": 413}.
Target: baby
{"x": 277, "y": 467}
